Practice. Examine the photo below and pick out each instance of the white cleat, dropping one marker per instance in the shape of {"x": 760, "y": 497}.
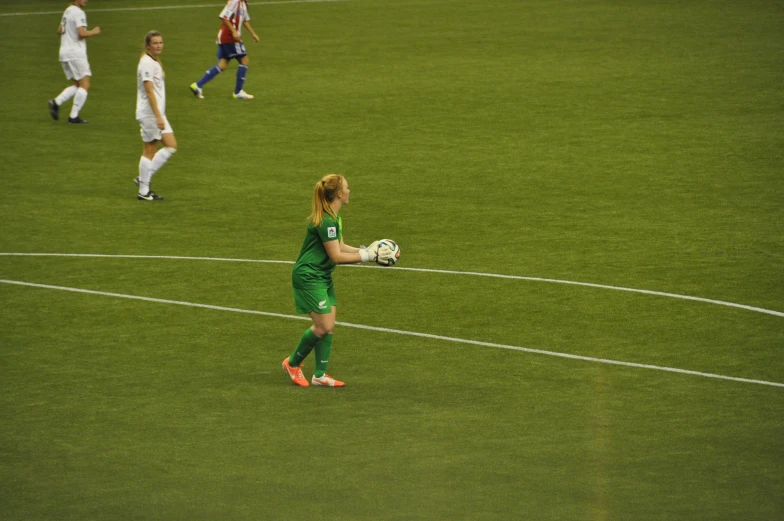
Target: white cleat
{"x": 243, "y": 95}
{"x": 326, "y": 381}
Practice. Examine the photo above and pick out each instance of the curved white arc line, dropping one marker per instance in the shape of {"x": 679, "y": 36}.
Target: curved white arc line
{"x": 429, "y": 270}
{"x": 401, "y": 332}
{"x": 604, "y": 286}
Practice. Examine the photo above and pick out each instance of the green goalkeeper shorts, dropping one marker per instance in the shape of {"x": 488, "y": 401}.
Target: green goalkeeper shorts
{"x": 316, "y": 300}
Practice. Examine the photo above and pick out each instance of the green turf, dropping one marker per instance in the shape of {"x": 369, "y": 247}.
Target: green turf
{"x": 633, "y": 144}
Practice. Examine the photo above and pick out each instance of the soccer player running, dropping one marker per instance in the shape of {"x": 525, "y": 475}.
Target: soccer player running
{"x": 151, "y": 115}
{"x": 73, "y": 57}
{"x": 314, "y": 291}
{"x": 233, "y": 18}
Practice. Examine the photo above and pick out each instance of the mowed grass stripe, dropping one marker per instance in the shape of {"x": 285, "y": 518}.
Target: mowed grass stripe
{"x": 398, "y": 332}
{"x": 424, "y": 270}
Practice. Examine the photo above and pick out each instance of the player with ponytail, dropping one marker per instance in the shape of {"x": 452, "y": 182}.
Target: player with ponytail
{"x": 314, "y": 291}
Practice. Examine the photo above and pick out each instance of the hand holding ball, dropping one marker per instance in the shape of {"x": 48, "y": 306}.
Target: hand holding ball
{"x": 388, "y": 252}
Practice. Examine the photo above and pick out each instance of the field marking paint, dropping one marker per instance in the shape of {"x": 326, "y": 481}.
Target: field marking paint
{"x": 603, "y": 286}
{"x": 399, "y": 332}
{"x": 174, "y": 7}
{"x": 427, "y": 270}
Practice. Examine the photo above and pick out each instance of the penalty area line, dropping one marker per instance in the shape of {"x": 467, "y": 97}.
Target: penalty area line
{"x": 400, "y": 332}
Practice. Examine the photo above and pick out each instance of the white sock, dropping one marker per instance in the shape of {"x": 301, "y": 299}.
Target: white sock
{"x": 65, "y": 95}
{"x": 160, "y": 158}
{"x": 145, "y": 173}
{"x": 79, "y": 98}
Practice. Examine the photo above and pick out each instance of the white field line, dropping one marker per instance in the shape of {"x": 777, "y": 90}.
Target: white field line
{"x": 603, "y": 286}
{"x": 158, "y": 8}
{"x": 401, "y": 332}
{"x": 427, "y": 270}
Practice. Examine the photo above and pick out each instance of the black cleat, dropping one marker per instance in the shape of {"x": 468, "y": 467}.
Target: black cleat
{"x": 151, "y": 196}
{"x": 77, "y": 120}
{"x": 54, "y": 109}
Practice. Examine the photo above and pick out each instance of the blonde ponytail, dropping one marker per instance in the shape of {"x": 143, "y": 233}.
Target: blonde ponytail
{"x": 326, "y": 191}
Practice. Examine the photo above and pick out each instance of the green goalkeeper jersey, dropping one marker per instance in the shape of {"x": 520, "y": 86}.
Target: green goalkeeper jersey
{"x": 314, "y": 267}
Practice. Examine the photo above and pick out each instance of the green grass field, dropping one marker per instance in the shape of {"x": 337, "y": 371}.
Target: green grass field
{"x": 622, "y": 145}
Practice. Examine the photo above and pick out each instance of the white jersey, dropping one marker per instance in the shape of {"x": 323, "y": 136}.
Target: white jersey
{"x": 71, "y": 46}
{"x": 149, "y": 70}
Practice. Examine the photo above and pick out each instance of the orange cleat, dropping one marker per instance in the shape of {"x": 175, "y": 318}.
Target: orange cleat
{"x": 295, "y": 373}
{"x": 326, "y": 381}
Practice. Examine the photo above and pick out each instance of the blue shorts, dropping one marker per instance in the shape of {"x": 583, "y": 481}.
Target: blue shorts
{"x": 228, "y": 51}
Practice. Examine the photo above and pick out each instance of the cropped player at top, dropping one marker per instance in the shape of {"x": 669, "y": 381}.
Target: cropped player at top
{"x": 233, "y": 18}
{"x": 73, "y": 58}
{"x": 311, "y": 278}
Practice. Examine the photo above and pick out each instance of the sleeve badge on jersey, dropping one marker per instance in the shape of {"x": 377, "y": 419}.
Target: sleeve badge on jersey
{"x": 332, "y": 232}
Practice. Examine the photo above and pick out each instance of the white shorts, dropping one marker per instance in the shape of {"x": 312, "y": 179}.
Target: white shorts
{"x": 76, "y": 69}
{"x": 150, "y": 131}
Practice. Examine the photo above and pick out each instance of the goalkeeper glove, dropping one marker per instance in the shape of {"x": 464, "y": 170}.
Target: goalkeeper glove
{"x": 369, "y": 253}
{"x": 385, "y": 256}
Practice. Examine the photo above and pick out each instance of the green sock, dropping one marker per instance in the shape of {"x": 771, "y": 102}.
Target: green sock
{"x": 323, "y": 349}
{"x": 305, "y": 346}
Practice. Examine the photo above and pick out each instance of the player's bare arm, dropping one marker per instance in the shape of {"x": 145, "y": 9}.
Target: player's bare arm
{"x": 345, "y": 248}
{"x": 338, "y": 256}
{"x": 255, "y": 36}
{"x": 150, "y": 90}
{"x": 84, "y": 33}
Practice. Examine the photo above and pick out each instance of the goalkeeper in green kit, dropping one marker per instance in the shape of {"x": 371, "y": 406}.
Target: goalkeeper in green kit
{"x": 314, "y": 292}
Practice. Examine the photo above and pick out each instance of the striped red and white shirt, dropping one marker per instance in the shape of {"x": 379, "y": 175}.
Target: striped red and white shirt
{"x": 236, "y": 13}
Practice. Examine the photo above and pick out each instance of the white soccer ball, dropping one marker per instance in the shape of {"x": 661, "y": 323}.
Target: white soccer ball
{"x": 390, "y": 251}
